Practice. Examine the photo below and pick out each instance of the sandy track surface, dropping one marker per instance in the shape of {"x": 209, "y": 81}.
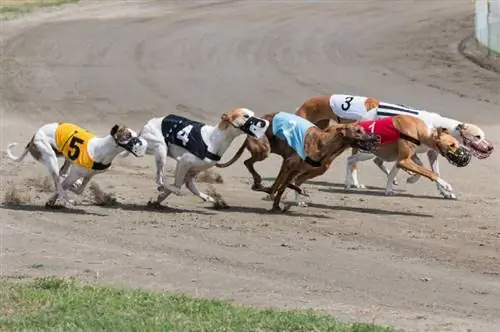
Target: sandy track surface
{"x": 414, "y": 260}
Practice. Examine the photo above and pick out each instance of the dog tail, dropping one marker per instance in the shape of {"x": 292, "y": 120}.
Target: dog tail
{"x": 236, "y": 156}
{"x": 11, "y": 155}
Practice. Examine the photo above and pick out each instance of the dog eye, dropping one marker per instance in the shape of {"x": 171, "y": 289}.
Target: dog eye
{"x": 477, "y": 137}
{"x": 246, "y": 116}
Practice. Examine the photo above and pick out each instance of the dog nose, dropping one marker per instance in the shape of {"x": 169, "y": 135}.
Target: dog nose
{"x": 490, "y": 148}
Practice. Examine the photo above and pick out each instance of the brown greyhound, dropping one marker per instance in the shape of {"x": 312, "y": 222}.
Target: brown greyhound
{"x": 399, "y": 135}
{"x": 290, "y": 135}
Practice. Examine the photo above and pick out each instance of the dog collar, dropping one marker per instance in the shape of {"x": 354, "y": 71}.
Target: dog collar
{"x": 213, "y": 156}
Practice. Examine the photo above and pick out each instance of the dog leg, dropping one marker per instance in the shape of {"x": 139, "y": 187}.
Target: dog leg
{"x": 161, "y": 160}
{"x": 86, "y": 180}
{"x": 409, "y": 164}
{"x": 445, "y": 191}
{"x": 389, "y": 190}
{"x": 191, "y": 185}
{"x": 49, "y": 159}
{"x": 380, "y": 164}
{"x": 257, "y": 179}
{"x": 351, "y": 179}
{"x": 64, "y": 170}
{"x": 415, "y": 177}
{"x": 303, "y": 200}
{"x": 181, "y": 171}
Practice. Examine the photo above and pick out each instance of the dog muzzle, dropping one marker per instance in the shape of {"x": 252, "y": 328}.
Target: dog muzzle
{"x": 369, "y": 144}
{"x": 136, "y": 146}
{"x": 255, "y": 127}
{"x": 461, "y": 157}
{"x": 481, "y": 149}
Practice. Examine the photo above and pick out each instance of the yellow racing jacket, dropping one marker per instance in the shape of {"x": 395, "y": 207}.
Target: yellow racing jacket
{"x": 72, "y": 141}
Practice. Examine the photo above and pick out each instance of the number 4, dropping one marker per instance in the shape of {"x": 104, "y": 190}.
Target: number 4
{"x": 372, "y": 127}
{"x": 183, "y": 135}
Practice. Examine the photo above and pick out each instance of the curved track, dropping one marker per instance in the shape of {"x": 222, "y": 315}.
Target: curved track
{"x": 413, "y": 260}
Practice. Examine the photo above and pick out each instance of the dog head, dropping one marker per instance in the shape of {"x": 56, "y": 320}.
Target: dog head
{"x": 474, "y": 139}
{"x": 450, "y": 148}
{"x": 358, "y": 137}
{"x": 246, "y": 121}
{"x": 129, "y": 140}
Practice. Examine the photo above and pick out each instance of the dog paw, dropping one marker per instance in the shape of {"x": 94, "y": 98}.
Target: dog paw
{"x": 413, "y": 179}
{"x": 395, "y": 182}
{"x": 302, "y": 204}
{"x": 207, "y": 198}
{"x": 389, "y": 193}
{"x": 154, "y": 205}
{"x": 448, "y": 195}
{"x": 444, "y": 186}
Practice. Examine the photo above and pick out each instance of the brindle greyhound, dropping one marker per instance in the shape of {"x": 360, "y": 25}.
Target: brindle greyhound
{"x": 312, "y": 145}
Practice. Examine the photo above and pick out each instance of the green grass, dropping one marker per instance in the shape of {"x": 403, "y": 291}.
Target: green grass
{"x": 13, "y": 8}
{"x": 54, "y": 304}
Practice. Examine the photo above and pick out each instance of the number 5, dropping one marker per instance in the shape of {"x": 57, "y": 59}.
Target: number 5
{"x": 372, "y": 127}
{"x": 183, "y": 135}
{"x": 74, "y": 149}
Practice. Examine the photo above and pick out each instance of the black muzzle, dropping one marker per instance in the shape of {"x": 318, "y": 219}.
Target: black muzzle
{"x": 255, "y": 127}
{"x": 369, "y": 144}
{"x": 461, "y": 157}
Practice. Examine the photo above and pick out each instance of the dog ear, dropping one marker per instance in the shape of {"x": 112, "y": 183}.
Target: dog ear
{"x": 441, "y": 130}
{"x": 460, "y": 127}
{"x": 114, "y": 130}
{"x": 341, "y": 130}
{"x": 224, "y": 117}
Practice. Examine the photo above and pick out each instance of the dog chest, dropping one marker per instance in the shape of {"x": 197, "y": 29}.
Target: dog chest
{"x": 292, "y": 129}
{"x": 181, "y": 131}
{"x": 72, "y": 142}
{"x": 383, "y": 128}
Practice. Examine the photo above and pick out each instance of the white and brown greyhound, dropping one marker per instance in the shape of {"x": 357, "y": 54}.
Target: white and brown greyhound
{"x": 195, "y": 146}
{"x": 85, "y": 154}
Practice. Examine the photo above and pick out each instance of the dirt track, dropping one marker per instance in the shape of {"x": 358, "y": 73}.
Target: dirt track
{"x": 413, "y": 261}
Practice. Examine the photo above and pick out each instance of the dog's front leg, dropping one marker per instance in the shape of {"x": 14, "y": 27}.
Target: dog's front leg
{"x": 351, "y": 179}
{"x": 434, "y": 162}
{"x": 86, "y": 180}
{"x": 161, "y": 160}
{"x": 415, "y": 177}
{"x": 409, "y": 164}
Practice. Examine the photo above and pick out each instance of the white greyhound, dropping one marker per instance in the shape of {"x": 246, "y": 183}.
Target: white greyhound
{"x": 85, "y": 154}
{"x": 469, "y": 135}
{"x": 196, "y": 146}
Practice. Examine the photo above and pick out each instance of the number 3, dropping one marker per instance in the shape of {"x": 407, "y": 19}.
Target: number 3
{"x": 183, "y": 135}
{"x": 74, "y": 148}
{"x": 348, "y": 101}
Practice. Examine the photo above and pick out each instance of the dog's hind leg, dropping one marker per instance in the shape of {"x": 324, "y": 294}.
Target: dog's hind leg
{"x": 249, "y": 164}
{"x": 389, "y": 190}
{"x": 380, "y": 164}
{"x": 191, "y": 185}
{"x": 49, "y": 159}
